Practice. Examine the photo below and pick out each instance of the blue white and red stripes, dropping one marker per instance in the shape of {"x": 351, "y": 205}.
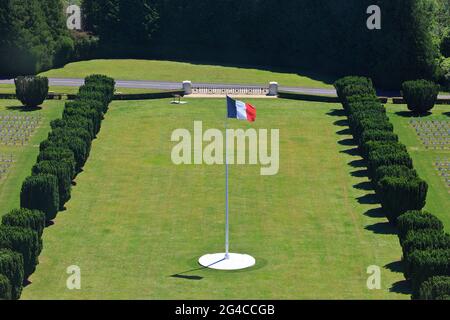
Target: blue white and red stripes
{"x": 240, "y": 110}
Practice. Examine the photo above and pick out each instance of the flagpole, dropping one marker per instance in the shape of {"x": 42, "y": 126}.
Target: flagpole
{"x": 227, "y": 243}
{"x": 231, "y": 261}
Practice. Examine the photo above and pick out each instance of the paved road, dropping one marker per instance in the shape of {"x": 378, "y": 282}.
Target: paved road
{"x": 166, "y": 85}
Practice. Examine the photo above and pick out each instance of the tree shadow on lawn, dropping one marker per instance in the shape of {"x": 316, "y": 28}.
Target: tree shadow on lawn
{"x": 382, "y": 228}
{"x": 396, "y": 266}
{"x": 360, "y": 173}
{"x": 375, "y": 213}
{"x": 337, "y": 113}
{"x": 341, "y": 123}
{"x": 359, "y": 163}
{"x": 365, "y": 185}
{"x": 352, "y": 152}
{"x": 347, "y": 142}
{"x": 23, "y": 109}
{"x": 370, "y": 198}
{"x": 344, "y": 132}
{"x": 409, "y": 114}
{"x": 402, "y": 287}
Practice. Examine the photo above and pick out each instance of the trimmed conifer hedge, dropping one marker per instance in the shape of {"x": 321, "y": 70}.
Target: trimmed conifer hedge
{"x": 424, "y": 264}
{"x": 62, "y": 155}
{"x": 31, "y": 90}
{"x": 401, "y": 194}
{"x": 417, "y": 220}
{"x": 25, "y": 218}
{"x": 394, "y": 171}
{"x": 5, "y": 288}
{"x": 40, "y": 192}
{"x": 62, "y": 171}
{"x": 24, "y": 241}
{"x": 426, "y": 239}
{"x": 420, "y": 95}
{"x": 435, "y": 288}
{"x": 426, "y": 248}
{"x": 11, "y": 266}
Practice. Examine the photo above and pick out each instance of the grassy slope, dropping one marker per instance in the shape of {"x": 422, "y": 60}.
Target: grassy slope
{"x": 10, "y": 88}
{"x": 25, "y": 156}
{"x": 179, "y": 71}
{"x": 438, "y": 200}
{"x": 135, "y": 219}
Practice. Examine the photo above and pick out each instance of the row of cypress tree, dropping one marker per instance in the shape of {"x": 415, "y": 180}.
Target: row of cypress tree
{"x": 426, "y": 247}
{"x": 44, "y": 193}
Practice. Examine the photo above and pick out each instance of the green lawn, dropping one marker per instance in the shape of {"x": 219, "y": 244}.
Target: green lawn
{"x": 135, "y": 219}
{"x": 25, "y": 156}
{"x": 438, "y": 199}
{"x": 10, "y": 88}
{"x": 179, "y": 71}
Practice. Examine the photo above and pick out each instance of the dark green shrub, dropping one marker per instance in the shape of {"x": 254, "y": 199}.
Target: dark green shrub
{"x": 415, "y": 220}
{"x": 374, "y": 123}
{"x": 62, "y": 171}
{"x": 420, "y": 95}
{"x": 401, "y": 194}
{"x": 435, "y": 288}
{"x": 368, "y": 120}
{"x": 40, "y": 192}
{"x": 95, "y": 93}
{"x": 77, "y": 123}
{"x": 5, "y": 288}
{"x": 25, "y": 218}
{"x": 56, "y": 153}
{"x": 98, "y": 91}
{"x": 100, "y": 78}
{"x": 425, "y": 264}
{"x": 378, "y": 135}
{"x": 24, "y": 241}
{"x": 11, "y": 266}
{"x": 366, "y": 105}
{"x": 425, "y": 239}
{"x": 88, "y": 109}
{"x": 394, "y": 171}
{"x": 68, "y": 138}
{"x": 375, "y": 135}
{"x": 392, "y": 154}
{"x": 353, "y": 85}
{"x": 31, "y": 90}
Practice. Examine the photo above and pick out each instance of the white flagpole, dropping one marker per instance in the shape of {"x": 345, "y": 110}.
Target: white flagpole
{"x": 231, "y": 261}
{"x": 227, "y": 244}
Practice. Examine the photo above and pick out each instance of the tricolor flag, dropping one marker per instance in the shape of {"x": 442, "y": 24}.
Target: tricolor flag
{"x": 240, "y": 110}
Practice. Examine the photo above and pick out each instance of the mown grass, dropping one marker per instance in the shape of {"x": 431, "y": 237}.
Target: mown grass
{"x": 137, "y": 223}
{"x": 438, "y": 199}
{"x": 128, "y": 69}
{"x": 11, "y": 89}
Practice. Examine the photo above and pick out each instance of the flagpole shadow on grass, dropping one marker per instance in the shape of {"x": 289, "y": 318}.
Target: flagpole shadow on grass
{"x": 182, "y": 275}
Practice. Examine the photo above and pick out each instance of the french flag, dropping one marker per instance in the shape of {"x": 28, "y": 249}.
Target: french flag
{"x": 240, "y": 110}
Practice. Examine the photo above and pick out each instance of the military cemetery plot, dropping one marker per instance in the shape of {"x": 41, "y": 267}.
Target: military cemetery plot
{"x": 443, "y": 167}
{"x": 434, "y": 134}
{"x": 6, "y": 161}
{"x": 16, "y": 130}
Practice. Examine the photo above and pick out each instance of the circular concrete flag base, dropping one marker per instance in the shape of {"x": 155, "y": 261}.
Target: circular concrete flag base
{"x": 234, "y": 261}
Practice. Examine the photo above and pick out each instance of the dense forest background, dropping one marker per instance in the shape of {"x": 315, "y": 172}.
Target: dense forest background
{"x": 327, "y": 36}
